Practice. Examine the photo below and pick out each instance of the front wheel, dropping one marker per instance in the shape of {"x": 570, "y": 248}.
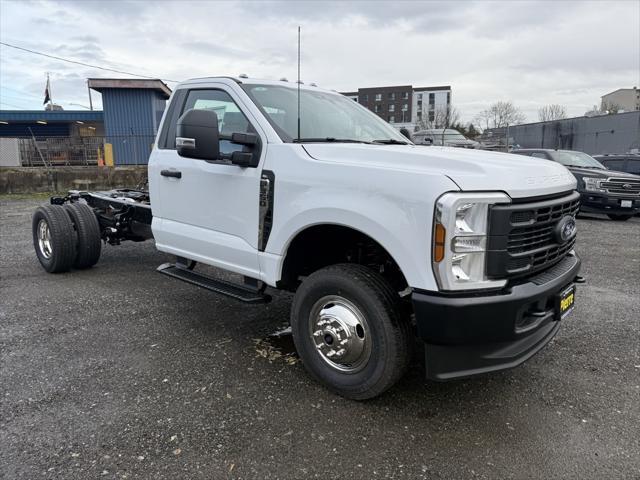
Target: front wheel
{"x": 350, "y": 332}
{"x": 619, "y": 217}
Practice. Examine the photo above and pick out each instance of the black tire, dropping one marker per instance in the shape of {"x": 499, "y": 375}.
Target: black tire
{"x": 387, "y": 330}
{"x": 89, "y": 244}
{"x": 619, "y": 217}
{"x": 57, "y": 251}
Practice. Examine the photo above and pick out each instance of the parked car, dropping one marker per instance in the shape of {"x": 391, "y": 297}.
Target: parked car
{"x": 379, "y": 241}
{"x": 447, "y": 137}
{"x": 624, "y": 162}
{"x": 614, "y": 193}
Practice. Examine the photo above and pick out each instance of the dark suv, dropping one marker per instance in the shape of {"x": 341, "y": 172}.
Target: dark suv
{"x": 616, "y": 194}
{"x": 621, "y": 162}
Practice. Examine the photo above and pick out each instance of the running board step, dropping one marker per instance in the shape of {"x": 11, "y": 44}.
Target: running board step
{"x": 239, "y": 292}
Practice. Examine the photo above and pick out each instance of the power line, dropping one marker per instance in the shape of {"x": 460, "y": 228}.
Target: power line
{"x": 13, "y": 97}
{"x": 20, "y": 96}
{"x": 82, "y": 63}
{"x": 21, "y": 92}
{"x": 11, "y": 105}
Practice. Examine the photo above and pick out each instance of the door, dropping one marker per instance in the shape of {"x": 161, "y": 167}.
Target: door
{"x": 208, "y": 210}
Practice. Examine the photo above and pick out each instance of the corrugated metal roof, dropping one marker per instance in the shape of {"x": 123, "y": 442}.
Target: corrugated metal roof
{"x": 51, "y": 116}
{"x": 102, "y": 84}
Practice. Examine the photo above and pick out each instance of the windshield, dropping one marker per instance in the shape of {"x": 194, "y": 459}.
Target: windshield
{"x": 323, "y": 116}
{"x": 576, "y": 159}
{"x": 453, "y": 135}
{"x": 438, "y": 135}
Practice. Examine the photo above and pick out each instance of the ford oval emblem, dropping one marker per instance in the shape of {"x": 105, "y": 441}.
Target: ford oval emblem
{"x": 565, "y": 229}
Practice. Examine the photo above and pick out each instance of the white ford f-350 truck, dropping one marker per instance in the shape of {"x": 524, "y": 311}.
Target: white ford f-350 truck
{"x": 301, "y": 189}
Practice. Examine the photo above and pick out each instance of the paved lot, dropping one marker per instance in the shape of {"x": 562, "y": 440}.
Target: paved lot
{"x": 119, "y": 372}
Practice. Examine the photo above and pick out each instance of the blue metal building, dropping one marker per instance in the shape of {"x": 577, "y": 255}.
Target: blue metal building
{"x": 127, "y": 125}
{"x": 132, "y": 112}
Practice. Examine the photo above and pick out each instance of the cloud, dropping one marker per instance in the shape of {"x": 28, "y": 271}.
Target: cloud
{"x": 213, "y": 49}
{"x": 531, "y": 53}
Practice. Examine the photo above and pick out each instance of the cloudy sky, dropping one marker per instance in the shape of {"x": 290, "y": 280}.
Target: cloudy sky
{"x": 533, "y": 53}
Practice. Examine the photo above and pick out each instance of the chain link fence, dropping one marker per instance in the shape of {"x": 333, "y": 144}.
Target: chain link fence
{"x": 76, "y": 151}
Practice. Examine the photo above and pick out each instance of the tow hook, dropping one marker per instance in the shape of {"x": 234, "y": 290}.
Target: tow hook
{"x": 580, "y": 279}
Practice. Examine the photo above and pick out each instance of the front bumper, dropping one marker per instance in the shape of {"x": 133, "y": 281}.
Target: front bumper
{"x": 470, "y": 335}
{"x": 601, "y": 203}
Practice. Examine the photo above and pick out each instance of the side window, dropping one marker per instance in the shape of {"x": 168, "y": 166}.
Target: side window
{"x": 540, "y": 155}
{"x": 633, "y": 166}
{"x": 230, "y": 118}
{"x": 617, "y": 164}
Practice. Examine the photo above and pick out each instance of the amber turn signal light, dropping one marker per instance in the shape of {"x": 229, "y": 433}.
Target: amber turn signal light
{"x": 438, "y": 242}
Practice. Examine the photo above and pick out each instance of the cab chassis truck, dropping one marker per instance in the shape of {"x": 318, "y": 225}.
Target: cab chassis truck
{"x": 381, "y": 241}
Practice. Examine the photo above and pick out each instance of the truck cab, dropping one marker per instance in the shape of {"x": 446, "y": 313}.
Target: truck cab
{"x": 381, "y": 241}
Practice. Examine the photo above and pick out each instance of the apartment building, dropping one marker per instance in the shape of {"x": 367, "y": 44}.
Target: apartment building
{"x": 404, "y": 105}
{"x": 626, "y": 99}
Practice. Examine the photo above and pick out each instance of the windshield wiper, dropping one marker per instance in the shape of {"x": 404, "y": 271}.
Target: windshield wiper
{"x": 390, "y": 141}
{"x": 328, "y": 139}
{"x": 583, "y": 166}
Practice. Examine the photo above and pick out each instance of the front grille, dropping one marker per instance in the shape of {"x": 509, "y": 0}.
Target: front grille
{"x": 621, "y": 186}
{"x": 522, "y": 239}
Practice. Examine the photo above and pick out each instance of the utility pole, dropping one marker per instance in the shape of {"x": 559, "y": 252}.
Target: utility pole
{"x": 507, "y": 133}
{"x": 90, "y": 101}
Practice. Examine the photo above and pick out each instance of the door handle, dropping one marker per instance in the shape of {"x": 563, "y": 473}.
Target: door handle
{"x": 171, "y": 173}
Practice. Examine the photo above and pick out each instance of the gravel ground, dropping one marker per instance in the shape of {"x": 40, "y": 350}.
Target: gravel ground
{"x": 119, "y": 372}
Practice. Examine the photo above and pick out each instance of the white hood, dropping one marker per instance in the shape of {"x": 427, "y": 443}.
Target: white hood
{"x": 472, "y": 170}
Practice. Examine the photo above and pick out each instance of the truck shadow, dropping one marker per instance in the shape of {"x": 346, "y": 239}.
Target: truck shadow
{"x": 413, "y": 388}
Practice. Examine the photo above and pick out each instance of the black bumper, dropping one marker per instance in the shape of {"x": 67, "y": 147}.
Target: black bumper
{"x": 470, "y": 335}
{"x": 599, "y": 203}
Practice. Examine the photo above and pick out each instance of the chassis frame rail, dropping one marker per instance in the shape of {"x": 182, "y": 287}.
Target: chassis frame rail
{"x": 123, "y": 214}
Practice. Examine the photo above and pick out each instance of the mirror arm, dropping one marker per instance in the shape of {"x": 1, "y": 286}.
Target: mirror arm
{"x": 241, "y": 159}
{"x": 248, "y": 139}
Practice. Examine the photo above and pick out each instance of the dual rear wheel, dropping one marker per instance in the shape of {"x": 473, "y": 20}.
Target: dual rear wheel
{"x": 66, "y": 237}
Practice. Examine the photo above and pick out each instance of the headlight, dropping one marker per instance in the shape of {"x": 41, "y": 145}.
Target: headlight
{"x": 460, "y": 240}
{"x": 592, "y": 184}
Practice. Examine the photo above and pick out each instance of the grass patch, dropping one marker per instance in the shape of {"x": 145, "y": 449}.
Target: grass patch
{"x": 30, "y": 196}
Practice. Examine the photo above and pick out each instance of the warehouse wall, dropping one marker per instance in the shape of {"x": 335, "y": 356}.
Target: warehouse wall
{"x": 131, "y": 122}
{"x": 593, "y": 135}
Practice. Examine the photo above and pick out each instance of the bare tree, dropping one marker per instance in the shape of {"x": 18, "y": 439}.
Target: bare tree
{"x": 552, "y": 112}
{"x": 499, "y": 115}
{"x": 442, "y": 117}
{"x": 610, "y": 108}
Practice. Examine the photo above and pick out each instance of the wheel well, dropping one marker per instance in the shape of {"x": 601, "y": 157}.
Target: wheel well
{"x": 322, "y": 245}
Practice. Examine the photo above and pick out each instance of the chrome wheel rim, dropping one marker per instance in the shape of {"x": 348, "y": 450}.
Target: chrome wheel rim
{"x": 44, "y": 239}
{"x": 340, "y": 334}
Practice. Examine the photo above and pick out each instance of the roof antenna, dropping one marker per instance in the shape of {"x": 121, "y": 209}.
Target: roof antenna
{"x": 298, "y": 83}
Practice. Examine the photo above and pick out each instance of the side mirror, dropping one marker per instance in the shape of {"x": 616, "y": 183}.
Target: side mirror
{"x": 406, "y": 133}
{"x": 197, "y": 135}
